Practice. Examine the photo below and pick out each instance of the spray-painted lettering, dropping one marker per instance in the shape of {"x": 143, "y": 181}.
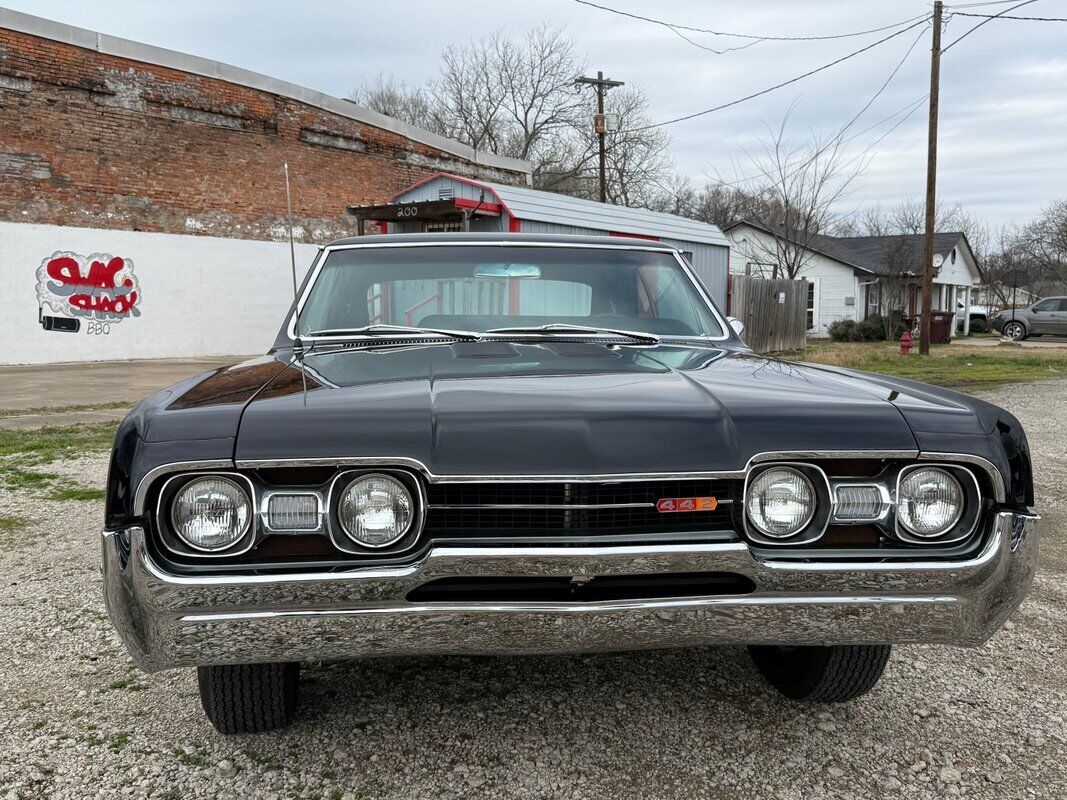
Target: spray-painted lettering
{"x": 100, "y": 287}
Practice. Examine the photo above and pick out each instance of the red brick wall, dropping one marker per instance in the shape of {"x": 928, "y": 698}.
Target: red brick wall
{"x": 98, "y": 141}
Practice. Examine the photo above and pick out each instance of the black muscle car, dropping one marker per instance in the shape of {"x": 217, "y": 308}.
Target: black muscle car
{"x": 467, "y": 443}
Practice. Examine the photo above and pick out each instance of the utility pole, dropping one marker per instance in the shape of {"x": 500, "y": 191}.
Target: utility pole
{"x": 931, "y": 185}
{"x": 600, "y": 124}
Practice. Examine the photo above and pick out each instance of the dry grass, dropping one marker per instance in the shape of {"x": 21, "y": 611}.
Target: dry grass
{"x": 956, "y": 366}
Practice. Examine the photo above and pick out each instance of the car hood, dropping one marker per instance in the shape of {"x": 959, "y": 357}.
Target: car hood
{"x": 563, "y": 408}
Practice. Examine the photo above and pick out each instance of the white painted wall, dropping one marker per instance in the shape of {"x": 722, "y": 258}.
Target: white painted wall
{"x": 834, "y": 282}
{"x": 200, "y": 295}
{"x": 959, "y": 272}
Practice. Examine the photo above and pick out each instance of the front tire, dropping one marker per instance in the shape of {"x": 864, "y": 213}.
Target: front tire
{"x": 249, "y": 698}
{"x": 822, "y": 674}
{"x": 1015, "y": 331}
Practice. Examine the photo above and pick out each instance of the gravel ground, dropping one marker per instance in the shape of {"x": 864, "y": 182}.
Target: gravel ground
{"x": 80, "y": 721}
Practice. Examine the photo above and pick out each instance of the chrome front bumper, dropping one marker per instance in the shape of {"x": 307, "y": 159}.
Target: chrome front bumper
{"x": 173, "y": 621}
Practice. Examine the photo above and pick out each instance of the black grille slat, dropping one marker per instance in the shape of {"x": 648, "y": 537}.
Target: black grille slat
{"x": 625, "y": 507}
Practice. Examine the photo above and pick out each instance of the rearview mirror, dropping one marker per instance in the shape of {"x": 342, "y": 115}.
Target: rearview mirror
{"x": 737, "y": 325}
{"x": 507, "y": 271}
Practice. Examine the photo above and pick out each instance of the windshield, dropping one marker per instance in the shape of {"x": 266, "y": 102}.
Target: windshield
{"x": 479, "y": 288}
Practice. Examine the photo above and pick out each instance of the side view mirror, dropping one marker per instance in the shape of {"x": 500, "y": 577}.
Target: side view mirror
{"x": 737, "y": 325}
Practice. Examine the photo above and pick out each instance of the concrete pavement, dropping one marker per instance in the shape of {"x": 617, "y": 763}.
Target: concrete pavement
{"x": 68, "y": 394}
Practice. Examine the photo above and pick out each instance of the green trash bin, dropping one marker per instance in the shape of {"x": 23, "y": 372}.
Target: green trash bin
{"x": 941, "y": 326}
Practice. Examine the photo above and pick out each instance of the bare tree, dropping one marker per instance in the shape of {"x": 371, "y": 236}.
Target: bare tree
{"x": 797, "y": 185}
{"x": 637, "y": 157}
{"x": 517, "y": 97}
{"x": 1041, "y": 247}
{"x": 898, "y": 276}
{"x": 396, "y": 99}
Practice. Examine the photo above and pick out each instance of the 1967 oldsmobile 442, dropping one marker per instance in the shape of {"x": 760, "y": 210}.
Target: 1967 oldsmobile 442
{"x": 481, "y": 443}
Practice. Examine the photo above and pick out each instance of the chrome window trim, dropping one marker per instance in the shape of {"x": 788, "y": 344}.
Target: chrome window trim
{"x": 905, "y": 535}
{"x": 883, "y": 493}
{"x": 761, "y": 538}
{"x": 252, "y": 532}
{"x": 270, "y": 494}
{"x": 325, "y": 252}
{"x": 414, "y": 530}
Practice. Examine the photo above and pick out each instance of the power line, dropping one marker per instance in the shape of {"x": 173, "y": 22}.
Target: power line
{"x": 978, "y": 5}
{"x": 1007, "y": 16}
{"x": 769, "y": 89}
{"x": 758, "y": 37}
{"x": 985, "y": 21}
{"x": 838, "y": 139}
{"x": 910, "y": 108}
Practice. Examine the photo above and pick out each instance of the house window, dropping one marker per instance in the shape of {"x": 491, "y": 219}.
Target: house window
{"x": 874, "y": 299}
{"x": 811, "y": 305}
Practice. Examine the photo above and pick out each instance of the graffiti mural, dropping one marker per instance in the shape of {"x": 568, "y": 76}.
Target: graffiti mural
{"x": 100, "y": 289}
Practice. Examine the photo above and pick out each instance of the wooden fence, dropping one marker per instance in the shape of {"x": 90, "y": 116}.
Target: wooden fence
{"x": 774, "y": 312}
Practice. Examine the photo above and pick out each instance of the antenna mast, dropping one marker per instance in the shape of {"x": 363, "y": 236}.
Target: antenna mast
{"x": 298, "y": 346}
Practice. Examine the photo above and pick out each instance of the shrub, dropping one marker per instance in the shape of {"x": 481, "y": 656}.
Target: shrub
{"x": 872, "y": 329}
{"x": 845, "y": 330}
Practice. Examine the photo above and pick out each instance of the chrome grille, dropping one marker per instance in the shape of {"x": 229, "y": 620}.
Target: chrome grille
{"x": 629, "y": 507}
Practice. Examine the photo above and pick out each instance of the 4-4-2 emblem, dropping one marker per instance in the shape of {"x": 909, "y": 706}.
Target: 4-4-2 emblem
{"x": 676, "y": 504}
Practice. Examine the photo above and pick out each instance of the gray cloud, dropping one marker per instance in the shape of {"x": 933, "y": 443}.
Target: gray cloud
{"x": 1003, "y": 113}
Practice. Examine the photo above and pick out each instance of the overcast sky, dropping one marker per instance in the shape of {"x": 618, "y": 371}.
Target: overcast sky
{"x": 1003, "y": 151}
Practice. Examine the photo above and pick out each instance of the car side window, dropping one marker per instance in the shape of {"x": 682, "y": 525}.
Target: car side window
{"x": 1063, "y": 304}
{"x": 1047, "y": 305}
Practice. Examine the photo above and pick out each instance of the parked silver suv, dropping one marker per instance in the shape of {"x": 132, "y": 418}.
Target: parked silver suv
{"x": 1048, "y": 316}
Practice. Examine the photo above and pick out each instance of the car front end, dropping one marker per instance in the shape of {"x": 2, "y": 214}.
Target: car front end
{"x": 475, "y": 487}
{"x": 596, "y": 576}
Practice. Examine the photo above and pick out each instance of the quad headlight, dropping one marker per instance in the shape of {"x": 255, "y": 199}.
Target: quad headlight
{"x": 929, "y": 502}
{"x": 780, "y": 502}
{"x": 211, "y": 513}
{"x": 376, "y": 510}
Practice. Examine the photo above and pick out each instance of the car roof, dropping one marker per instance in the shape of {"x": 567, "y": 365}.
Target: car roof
{"x": 458, "y": 238}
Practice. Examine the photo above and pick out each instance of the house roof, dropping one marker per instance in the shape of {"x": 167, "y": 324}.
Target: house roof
{"x": 870, "y": 253}
{"x": 560, "y": 209}
{"x": 876, "y": 253}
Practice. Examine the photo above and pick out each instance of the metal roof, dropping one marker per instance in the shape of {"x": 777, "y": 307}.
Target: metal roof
{"x": 561, "y": 209}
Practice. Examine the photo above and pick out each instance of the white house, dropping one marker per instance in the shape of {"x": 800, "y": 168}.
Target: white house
{"x": 852, "y": 277}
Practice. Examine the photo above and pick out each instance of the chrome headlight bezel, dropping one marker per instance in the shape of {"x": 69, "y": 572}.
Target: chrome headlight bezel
{"x": 173, "y": 538}
{"x": 964, "y": 523}
{"x": 818, "y": 519}
{"x": 339, "y": 534}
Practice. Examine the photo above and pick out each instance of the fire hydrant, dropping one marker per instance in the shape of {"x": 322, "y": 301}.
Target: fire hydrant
{"x": 906, "y": 344}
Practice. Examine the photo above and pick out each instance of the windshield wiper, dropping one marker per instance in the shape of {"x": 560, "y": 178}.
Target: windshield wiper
{"x": 382, "y": 329}
{"x": 563, "y": 327}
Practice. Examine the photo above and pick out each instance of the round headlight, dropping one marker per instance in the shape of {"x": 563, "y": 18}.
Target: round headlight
{"x": 929, "y": 502}
{"x": 211, "y": 513}
{"x": 781, "y": 502}
{"x": 376, "y": 510}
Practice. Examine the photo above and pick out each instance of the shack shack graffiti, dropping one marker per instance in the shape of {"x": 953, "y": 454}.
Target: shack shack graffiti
{"x": 100, "y": 289}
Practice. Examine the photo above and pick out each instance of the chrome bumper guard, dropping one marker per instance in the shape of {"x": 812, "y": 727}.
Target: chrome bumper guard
{"x": 177, "y": 620}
